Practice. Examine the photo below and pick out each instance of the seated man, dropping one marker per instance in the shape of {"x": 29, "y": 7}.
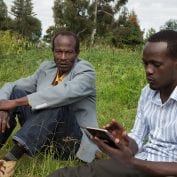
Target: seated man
{"x": 51, "y": 105}
{"x": 151, "y": 147}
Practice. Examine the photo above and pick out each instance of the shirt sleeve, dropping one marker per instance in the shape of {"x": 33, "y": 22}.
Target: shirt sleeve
{"x": 27, "y": 84}
{"x": 140, "y": 129}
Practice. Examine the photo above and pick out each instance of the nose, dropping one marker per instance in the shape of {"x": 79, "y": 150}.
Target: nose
{"x": 149, "y": 69}
{"x": 63, "y": 55}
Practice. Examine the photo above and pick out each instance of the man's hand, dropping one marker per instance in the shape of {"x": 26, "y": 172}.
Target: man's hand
{"x": 122, "y": 153}
{"x": 4, "y": 121}
{"x": 118, "y": 132}
{"x": 6, "y": 105}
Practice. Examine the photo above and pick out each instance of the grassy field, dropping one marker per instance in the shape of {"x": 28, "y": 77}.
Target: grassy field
{"x": 120, "y": 77}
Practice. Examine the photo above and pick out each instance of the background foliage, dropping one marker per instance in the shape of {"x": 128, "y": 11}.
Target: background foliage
{"x": 12, "y": 43}
{"x": 24, "y": 21}
{"x": 94, "y": 21}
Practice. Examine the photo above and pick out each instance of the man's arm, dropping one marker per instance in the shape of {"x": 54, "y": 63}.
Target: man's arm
{"x": 27, "y": 84}
{"x": 127, "y": 147}
{"x": 124, "y": 155}
{"x": 7, "y": 105}
{"x": 155, "y": 168}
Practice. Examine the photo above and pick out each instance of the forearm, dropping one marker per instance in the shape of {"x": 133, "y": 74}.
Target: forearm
{"x": 156, "y": 168}
{"x": 7, "y": 105}
{"x": 23, "y": 101}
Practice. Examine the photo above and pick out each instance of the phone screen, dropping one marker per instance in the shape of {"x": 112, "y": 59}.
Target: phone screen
{"x": 102, "y": 134}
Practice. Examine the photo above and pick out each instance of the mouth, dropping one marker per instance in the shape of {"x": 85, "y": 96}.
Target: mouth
{"x": 64, "y": 66}
{"x": 150, "y": 79}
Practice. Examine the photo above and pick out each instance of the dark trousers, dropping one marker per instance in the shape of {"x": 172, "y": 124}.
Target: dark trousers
{"x": 100, "y": 168}
{"x": 40, "y": 129}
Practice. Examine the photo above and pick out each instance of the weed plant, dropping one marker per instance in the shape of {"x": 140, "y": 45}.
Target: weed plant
{"x": 120, "y": 78}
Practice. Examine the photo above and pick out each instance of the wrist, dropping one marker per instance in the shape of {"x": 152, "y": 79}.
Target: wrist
{"x": 136, "y": 163}
{"x": 21, "y": 101}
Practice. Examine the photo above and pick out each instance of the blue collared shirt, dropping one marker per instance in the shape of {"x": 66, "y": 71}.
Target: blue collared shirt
{"x": 155, "y": 128}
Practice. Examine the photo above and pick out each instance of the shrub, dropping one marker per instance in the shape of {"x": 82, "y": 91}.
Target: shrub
{"x": 12, "y": 43}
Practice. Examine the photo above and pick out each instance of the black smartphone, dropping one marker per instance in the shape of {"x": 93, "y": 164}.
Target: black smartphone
{"x": 102, "y": 134}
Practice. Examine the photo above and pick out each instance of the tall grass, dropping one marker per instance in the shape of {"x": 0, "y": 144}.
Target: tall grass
{"x": 120, "y": 78}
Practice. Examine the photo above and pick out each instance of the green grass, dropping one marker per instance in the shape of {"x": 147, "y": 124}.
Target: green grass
{"x": 120, "y": 78}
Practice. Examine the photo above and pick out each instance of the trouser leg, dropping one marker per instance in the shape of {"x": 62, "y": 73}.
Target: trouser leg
{"x": 101, "y": 168}
{"x": 68, "y": 136}
{"x": 41, "y": 128}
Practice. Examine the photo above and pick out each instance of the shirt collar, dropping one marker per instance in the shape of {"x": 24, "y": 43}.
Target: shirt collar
{"x": 174, "y": 94}
{"x": 156, "y": 96}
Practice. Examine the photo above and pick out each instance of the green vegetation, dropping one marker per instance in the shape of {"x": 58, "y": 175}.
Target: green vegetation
{"x": 12, "y": 43}
{"x": 95, "y": 22}
{"x": 120, "y": 78}
{"x": 98, "y": 21}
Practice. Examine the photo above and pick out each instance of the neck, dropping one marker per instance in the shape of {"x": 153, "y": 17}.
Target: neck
{"x": 166, "y": 92}
{"x": 60, "y": 73}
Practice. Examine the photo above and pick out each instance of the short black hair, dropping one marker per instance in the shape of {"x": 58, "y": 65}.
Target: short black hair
{"x": 67, "y": 33}
{"x": 168, "y": 36}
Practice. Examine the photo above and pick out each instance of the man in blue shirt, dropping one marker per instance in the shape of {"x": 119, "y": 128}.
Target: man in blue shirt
{"x": 150, "y": 149}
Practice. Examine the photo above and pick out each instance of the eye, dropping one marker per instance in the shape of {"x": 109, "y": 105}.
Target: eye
{"x": 58, "y": 51}
{"x": 156, "y": 64}
{"x": 69, "y": 52}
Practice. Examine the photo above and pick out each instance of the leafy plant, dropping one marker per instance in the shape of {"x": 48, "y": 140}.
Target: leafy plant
{"x": 12, "y": 43}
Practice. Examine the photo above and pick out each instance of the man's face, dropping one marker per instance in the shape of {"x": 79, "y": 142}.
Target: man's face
{"x": 161, "y": 70}
{"x": 64, "y": 53}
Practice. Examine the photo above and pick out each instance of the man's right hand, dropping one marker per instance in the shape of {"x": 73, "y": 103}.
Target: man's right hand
{"x": 4, "y": 121}
{"x": 120, "y": 135}
{"x": 118, "y": 132}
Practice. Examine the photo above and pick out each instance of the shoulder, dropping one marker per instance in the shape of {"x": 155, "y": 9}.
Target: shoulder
{"x": 83, "y": 65}
{"x": 47, "y": 64}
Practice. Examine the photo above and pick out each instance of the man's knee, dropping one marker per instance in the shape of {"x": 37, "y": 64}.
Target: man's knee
{"x": 17, "y": 93}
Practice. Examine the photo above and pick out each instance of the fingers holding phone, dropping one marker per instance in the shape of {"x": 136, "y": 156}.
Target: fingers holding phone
{"x": 104, "y": 147}
{"x": 117, "y": 131}
{"x": 103, "y": 134}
